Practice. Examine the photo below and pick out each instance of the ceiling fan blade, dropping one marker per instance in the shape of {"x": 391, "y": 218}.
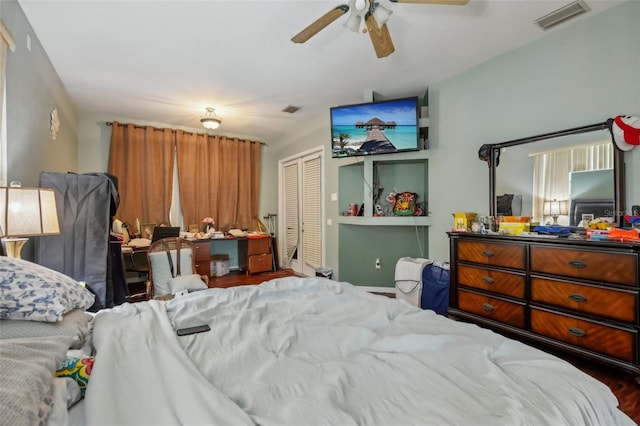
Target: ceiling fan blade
{"x": 380, "y": 37}
{"x": 320, "y": 23}
{"x": 450, "y": 2}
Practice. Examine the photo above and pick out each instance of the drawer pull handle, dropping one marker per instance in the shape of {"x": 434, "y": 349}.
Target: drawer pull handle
{"x": 487, "y": 280}
{"x": 577, "y": 332}
{"x": 487, "y": 307}
{"x": 577, "y": 264}
{"x": 577, "y": 298}
{"x": 487, "y": 253}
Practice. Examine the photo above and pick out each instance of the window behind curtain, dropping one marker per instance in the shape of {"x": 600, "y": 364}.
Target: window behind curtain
{"x": 551, "y": 172}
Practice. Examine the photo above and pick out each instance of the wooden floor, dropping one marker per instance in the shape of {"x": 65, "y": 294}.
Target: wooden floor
{"x": 623, "y": 385}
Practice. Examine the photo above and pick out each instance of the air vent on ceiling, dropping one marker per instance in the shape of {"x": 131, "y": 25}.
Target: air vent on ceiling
{"x": 562, "y": 14}
{"x": 290, "y": 109}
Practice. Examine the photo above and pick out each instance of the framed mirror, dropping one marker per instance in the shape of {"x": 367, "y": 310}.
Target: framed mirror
{"x": 563, "y": 177}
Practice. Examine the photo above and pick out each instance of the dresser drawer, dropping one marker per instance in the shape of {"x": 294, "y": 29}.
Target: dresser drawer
{"x": 618, "y": 268}
{"x": 495, "y": 254}
{"x": 258, "y": 246}
{"x": 606, "y": 302}
{"x": 260, "y": 263}
{"x": 203, "y": 268}
{"x": 615, "y": 342}
{"x": 202, "y": 250}
{"x": 496, "y": 281}
{"x": 491, "y": 307}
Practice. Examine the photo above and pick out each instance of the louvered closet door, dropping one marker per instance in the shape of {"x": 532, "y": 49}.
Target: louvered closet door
{"x": 311, "y": 212}
{"x": 291, "y": 220}
{"x": 302, "y": 206}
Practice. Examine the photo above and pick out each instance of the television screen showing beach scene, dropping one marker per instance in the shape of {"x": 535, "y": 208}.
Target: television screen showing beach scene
{"x": 375, "y": 128}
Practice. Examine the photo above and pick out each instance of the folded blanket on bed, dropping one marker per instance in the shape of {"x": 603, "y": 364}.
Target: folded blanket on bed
{"x": 27, "y": 367}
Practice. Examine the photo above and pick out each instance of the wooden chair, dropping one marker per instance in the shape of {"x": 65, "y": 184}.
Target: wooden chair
{"x": 168, "y": 259}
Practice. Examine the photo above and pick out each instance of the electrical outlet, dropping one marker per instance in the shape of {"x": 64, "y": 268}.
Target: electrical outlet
{"x": 378, "y": 263}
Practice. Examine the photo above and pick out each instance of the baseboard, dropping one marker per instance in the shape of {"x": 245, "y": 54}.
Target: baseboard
{"x": 391, "y": 290}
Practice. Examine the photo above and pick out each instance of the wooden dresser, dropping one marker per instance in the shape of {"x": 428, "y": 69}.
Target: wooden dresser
{"x": 202, "y": 257}
{"x": 573, "y": 295}
{"x": 257, "y": 252}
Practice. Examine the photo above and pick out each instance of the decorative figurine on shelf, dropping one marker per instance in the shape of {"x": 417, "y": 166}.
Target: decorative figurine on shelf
{"x": 208, "y": 225}
{"x": 405, "y": 204}
{"x": 391, "y": 198}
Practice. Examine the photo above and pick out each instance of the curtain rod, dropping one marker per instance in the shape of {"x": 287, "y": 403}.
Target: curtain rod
{"x": 139, "y": 126}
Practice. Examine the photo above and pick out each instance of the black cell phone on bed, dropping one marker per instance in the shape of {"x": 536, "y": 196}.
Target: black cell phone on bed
{"x": 193, "y": 330}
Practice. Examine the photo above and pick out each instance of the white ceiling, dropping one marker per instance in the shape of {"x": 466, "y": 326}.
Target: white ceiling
{"x": 165, "y": 61}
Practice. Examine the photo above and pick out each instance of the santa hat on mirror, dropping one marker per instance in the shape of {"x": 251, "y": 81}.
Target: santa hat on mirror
{"x": 625, "y": 131}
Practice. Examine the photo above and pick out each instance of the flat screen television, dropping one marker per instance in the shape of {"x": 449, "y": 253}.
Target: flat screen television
{"x": 375, "y": 128}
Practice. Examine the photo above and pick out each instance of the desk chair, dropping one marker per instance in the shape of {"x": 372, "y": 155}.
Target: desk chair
{"x": 136, "y": 261}
{"x": 172, "y": 268}
{"x": 123, "y": 290}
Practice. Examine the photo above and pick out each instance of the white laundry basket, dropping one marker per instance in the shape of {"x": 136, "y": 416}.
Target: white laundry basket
{"x": 408, "y": 279}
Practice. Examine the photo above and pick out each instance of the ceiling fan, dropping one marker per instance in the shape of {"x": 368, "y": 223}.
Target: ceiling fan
{"x": 375, "y": 18}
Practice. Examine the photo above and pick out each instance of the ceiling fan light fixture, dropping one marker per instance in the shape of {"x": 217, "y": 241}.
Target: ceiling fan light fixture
{"x": 353, "y": 23}
{"x": 381, "y": 14}
{"x": 210, "y": 120}
{"x": 360, "y": 4}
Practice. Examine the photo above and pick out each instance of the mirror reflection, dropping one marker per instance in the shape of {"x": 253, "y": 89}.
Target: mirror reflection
{"x": 564, "y": 180}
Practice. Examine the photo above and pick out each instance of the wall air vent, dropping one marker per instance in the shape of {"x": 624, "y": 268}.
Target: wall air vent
{"x": 291, "y": 109}
{"x": 562, "y": 14}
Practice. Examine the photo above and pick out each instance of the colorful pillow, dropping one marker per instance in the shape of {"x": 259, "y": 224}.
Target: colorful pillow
{"x": 78, "y": 369}
{"x": 29, "y": 291}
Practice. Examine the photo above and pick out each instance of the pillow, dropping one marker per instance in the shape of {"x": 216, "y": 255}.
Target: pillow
{"x": 29, "y": 291}
{"x": 78, "y": 369}
{"x": 162, "y": 273}
{"x": 189, "y": 282}
{"x": 74, "y": 324}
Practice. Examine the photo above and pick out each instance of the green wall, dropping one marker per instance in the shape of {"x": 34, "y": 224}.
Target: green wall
{"x": 360, "y": 246}
{"x": 33, "y": 91}
{"x": 571, "y": 77}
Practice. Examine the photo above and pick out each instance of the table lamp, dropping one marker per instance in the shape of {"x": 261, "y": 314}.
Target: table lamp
{"x": 555, "y": 208}
{"x": 26, "y": 212}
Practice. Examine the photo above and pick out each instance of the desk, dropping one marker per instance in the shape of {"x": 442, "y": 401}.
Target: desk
{"x": 252, "y": 255}
{"x": 245, "y": 254}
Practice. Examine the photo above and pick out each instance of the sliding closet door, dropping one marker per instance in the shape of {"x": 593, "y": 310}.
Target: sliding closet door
{"x": 302, "y": 206}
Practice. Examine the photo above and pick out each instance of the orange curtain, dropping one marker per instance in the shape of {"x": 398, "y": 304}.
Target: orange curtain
{"x": 219, "y": 177}
{"x": 142, "y": 159}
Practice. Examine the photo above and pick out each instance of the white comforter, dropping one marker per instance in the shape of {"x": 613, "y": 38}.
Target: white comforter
{"x": 310, "y": 351}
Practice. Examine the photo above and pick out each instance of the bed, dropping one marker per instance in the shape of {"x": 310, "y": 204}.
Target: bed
{"x": 296, "y": 351}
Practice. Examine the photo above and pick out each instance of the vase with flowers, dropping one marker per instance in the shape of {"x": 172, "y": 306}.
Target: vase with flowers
{"x": 207, "y": 223}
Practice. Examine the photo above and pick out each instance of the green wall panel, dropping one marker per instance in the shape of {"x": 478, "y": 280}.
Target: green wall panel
{"x": 360, "y": 246}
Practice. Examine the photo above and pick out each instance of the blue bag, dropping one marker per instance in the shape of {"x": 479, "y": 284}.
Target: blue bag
{"x": 435, "y": 287}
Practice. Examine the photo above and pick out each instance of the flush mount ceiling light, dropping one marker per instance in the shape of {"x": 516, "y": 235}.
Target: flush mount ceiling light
{"x": 210, "y": 120}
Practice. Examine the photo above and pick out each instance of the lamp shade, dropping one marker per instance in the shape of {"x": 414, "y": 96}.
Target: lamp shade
{"x": 555, "y": 207}
{"x": 26, "y": 212}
